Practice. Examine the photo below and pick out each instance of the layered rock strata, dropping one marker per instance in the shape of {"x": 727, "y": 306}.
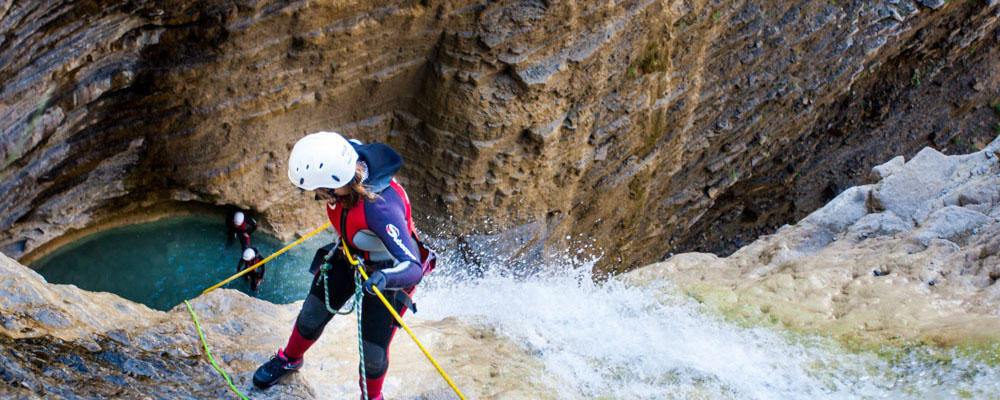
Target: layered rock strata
{"x": 912, "y": 257}
{"x": 638, "y": 125}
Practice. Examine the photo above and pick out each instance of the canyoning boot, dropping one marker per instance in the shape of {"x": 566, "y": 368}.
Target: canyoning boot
{"x": 269, "y": 373}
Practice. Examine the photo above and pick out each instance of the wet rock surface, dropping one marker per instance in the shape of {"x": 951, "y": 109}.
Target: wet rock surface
{"x": 660, "y": 126}
{"x": 62, "y": 342}
{"x": 643, "y": 127}
{"x": 913, "y": 256}
{"x": 51, "y": 368}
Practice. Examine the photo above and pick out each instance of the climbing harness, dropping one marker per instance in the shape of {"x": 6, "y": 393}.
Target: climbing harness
{"x": 209, "y": 353}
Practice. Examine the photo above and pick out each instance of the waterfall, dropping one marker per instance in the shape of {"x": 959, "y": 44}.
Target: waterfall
{"x": 613, "y": 340}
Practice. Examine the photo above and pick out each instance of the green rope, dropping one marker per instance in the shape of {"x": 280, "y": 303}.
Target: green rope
{"x": 358, "y": 295}
{"x": 326, "y": 289}
{"x": 209, "y": 353}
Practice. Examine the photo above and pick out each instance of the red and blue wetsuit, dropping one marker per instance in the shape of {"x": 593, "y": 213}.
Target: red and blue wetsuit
{"x": 382, "y": 232}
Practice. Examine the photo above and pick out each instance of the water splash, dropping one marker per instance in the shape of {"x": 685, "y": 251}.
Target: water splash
{"x": 611, "y": 340}
{"x": 596, "y": 339}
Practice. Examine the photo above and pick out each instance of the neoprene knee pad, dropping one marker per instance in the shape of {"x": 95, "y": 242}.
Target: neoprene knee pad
{"x": 312, "y": 318}
{"x": 376, "y": 361}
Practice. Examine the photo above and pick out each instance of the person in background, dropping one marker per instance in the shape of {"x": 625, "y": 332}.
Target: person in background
{"x": 251, "y": 257}
{"x": 241, "y": 226}
{"x": 371, "y": 212}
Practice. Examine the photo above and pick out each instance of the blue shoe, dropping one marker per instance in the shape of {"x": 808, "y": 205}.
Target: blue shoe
{"x": 272, "y": 371}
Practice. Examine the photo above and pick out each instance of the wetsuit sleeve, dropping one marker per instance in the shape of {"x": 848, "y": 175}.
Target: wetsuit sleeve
{"x": 385, "y": 216}
{"x": 251, "y": 225}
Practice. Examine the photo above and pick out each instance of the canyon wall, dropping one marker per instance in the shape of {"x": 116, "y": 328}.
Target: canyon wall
{"x": 640, "y": 127}
{"x": 911, "y": 258}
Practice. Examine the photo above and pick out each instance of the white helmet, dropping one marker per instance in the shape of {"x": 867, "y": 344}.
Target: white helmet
{"x": 249, "y": 254}
{"x": 238, "y": 218}
{"x": 322, "y": 160}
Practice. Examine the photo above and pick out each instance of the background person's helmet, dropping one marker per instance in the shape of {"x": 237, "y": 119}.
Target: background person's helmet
{"x": 249, "y": 254}
{"x": 238, "y": 218}
{"x": 322, "y": 160}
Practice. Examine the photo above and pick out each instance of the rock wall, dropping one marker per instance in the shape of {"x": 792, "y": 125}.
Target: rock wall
{"x": 637, "y": 125}
{"x": 913, "y": 257}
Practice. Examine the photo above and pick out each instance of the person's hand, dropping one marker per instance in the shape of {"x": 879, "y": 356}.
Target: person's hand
{"x": 375, "y": 280}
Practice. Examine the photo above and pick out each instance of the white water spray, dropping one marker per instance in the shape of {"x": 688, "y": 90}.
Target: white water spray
{"x": 611, "y": 340}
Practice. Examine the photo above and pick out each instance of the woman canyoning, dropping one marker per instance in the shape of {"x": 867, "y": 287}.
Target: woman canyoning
{"x": 371, "y": 212}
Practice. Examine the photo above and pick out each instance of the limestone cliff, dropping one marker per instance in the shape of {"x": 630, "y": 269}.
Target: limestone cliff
{"x": 640, "y": 125}
{"x": 913, "y": 256}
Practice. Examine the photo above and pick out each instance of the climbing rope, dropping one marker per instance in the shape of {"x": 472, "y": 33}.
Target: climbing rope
{"x": 326, "y": 288}
{"x": 359, "y": 277}
{"x": 399, "y": 319}
{"x": 261, "y": 262}
{"x": 241, "y": 273}
{"x": 209, "y": 353}
{"x": 358, "y": 295}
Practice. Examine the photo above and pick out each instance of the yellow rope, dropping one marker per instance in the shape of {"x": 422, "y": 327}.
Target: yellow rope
{"x": 241, "y": 273}
{"x": 400, "y": 321}
{"x": 364, "y": 275}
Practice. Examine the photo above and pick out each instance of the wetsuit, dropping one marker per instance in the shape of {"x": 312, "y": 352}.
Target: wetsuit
{"x": 382, "y": 232}
{"x": 257, "y": 275}
{"x": 242, "y": 232}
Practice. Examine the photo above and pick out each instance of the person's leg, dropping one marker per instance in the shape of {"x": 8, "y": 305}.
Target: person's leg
{"x": 377, "y": 330}
{"x": 242, "y": 266}
{"x": 256, "y": 277}
{"x": 308, "y": 326}
{"x": 314, "y": 316}
{"x": 239, "y": 238}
